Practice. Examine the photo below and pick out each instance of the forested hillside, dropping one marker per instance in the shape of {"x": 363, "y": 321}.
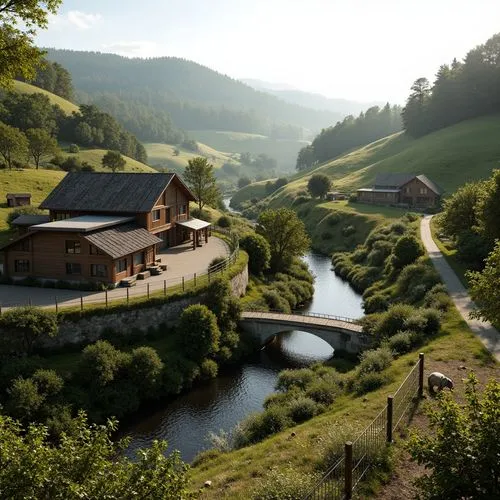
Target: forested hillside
{"x": 195, "y": 97}
{"x": 462, "y": 90}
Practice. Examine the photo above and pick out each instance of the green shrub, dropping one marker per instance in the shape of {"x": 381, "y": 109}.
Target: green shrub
{"x": 437, "y": 300}
{"x": 224, "y": 221}
{"x": 275, "y": 301}
{"x": 398, "y": 227}
{"x": 406, "y": 251}
{"x": 323, "y": 392}
{"x": 282, "y": 398}
{"x": 402, "y": 342}
{"x": 208, "y": 369}
{"x": 49, "y": 383}
{"x": 414, "y": 275}
{"x": 73, "y": 148}
{"x": 258, "y": 426}
{"x": 376, "y": 303}
{"x": 304, "y": 408}
{"x": 416, "y": 322}
{"x": 348, "y": 230}
{"x": 433, "y": 323}
{"x": 259, "y": 252}
{"x": 375, "y": 360}
{"x": 359, "y": 255}
{"x": 284, "y": 291}
{"x": 24, "y": 399}
{"x": 393, "y": 320}
{"x": 284, "y": 484}
{"x": 288, "y": 379}
{"x": 368, "y": 382}
{"x": 145, "y": 369}
{"x": 333, "y": 219}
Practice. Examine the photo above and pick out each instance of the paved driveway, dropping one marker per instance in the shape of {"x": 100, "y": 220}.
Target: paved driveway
{"x": 488, "y": 335}
{"x": 182, "y": 261}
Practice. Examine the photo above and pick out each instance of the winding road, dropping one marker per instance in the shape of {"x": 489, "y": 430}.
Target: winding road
{"x": 486, "y": 332}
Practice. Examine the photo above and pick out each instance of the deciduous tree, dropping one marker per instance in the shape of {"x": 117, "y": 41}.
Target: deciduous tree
{"x": 40, "y": 143}
{"x": 19, "y": 22}
{"x": 113, "y": 160}
{"x": 13, "y": 144}
{"x": 199, "y": 176}
{"x": 286, "y": 235}
{"x": 319, "y": 185}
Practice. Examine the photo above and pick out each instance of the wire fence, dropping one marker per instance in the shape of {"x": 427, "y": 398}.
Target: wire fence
{"x": 64, "y": 299}
{"x": 360, "y": 455}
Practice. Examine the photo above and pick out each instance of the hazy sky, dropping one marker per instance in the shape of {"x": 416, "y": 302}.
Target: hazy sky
{"x": 355, "y": 49}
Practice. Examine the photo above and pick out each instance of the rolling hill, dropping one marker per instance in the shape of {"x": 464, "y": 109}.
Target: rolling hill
{"x": 25, "y": 88}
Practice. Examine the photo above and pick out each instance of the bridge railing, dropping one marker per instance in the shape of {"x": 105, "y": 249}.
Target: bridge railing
{"x": 345, "y": 319}
{"x": 361, "y": 454}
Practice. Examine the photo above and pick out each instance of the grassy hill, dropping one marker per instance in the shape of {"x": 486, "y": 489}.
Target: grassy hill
{"x": 94, "y": 157}
{"x": 450, "y": 157}
{"x": 284, "y": 151}
{"x": 162, "y": 155}
{"x": 25, "y": 88}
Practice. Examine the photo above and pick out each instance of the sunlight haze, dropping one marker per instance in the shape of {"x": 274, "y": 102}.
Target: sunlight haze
{"x": 354, "y": 49}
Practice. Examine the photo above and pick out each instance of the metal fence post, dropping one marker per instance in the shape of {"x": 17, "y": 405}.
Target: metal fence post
{"x": 348, "y": 470}
{"x": 390, "y": 400}
{"x": 148, "y": 291}
{"x": 421, "y": 375}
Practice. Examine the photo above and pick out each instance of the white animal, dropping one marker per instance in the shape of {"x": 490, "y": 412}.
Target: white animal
{"x": 440, "y": 381}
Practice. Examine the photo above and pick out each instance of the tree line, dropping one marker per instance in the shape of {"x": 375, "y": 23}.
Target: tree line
{"x": 351, "y": 132}
{"x": 89, "y": 127}
{"x": 461, "y": 90}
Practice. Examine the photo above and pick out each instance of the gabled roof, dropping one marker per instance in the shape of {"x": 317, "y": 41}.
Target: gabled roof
{"x": 110, "y": 192}
{"x": 122, "y": 240}
{"x": 30, "y": 220}
{"x": 431, "y": 185}
{"x": 389, "y": 181}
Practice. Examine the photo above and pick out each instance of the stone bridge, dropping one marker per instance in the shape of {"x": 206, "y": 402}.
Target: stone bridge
{"x": 343, "y": 334}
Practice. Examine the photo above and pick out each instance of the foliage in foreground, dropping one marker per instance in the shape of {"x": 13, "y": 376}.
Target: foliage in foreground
{"x": 463, "y": 452}
{"x": 86, "y": 463}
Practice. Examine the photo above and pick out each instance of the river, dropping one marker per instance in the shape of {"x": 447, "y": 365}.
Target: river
{"x": 223, "y": 402}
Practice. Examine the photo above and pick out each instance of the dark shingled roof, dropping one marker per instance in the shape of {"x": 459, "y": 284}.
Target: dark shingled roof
{"x": 431, "y": 185}
{"x": 122, "y": 240}
{"x": 30, "y": 220}
{"x": 109, "y": 192}
{"x": 388, "y": 181}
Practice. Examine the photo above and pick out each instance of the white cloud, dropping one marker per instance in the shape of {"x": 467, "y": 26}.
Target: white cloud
{"x": 75, "y": 18}
{"x": 133, "y": 48}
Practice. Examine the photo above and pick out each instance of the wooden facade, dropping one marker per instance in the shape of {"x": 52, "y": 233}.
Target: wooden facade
{"x": 69, "y": 256}
{"x": 18, "y": 199}
{"x": 417, "y": 194}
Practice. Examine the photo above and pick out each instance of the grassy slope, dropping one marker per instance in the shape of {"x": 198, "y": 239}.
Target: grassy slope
{"x": 254, "y": 190}
{"x": 464, "y": 152}
{"x": 163, "y": 155}
{"x": 25, "y": 88}
{"x": 94, "y": 157}
{"x": 284, "y": 151}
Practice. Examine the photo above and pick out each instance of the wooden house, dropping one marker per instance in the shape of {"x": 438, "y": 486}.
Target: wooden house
{"x": 104, "y": 227}
{"x": 18, "y": 199}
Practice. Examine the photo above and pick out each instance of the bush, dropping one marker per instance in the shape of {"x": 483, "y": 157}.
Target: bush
{"x": 224, "y": 221}
{"x": 323, "y": 392}
{"x": 433, "y": 321}
{"x": 49, "y": 383}
{"x": 289, "y": 379}
{"x": 398, "y": 227}
{"x": 402, "y": 342}
{"x": 369, "y": 382}
{"x": 375, "y": 360}
{"x": 406, "y": 251}
{"x": 284, "y": 484}
{"x": 303, "y": 408}
{"x": 376, "y": 303}
{"x": 393, "y": 320}
{"x": 359, "y": 255}
{"x": 258, "y": 426}
{"x": 73, "y": 148}
{"x": 275, "y": 301}
{"x": 24, "y": 399}
{"x": 333, "y": 219}
{"x": 414, "y": 275}
{"x": 18, "y": 211}
{"x": 348, "y": 230}
{"x": 198, "y": 332}
{"x": 145, "y": 369}
{"x": 259, "y": 252}
{"x": 208, "y": 369}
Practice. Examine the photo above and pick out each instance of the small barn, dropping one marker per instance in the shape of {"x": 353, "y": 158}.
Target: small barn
{"x": 18, "y": 199}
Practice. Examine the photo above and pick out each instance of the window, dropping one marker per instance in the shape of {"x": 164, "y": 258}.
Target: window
{"x": 423, "y": 190}
{"x": 182, "y": 210}
{"x": 139, "y": 259}
{"x": 61, "y": 216}
{"x": 22, "y": 266}
{"x": 24, "y": 245}
{"x": 156, "y": 215}
{"x": 73, "y": 246}
{"x": 407, "y": 190}
{"x": 168, "y": 216}
{"x": 95, "y": 251}
{"x": 73, "y": 268}
{"x": 99, "y": 270}
{"x": 121, "y": 265}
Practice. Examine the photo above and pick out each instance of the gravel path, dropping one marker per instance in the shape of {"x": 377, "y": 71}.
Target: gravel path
{"x": 488, "y": 334}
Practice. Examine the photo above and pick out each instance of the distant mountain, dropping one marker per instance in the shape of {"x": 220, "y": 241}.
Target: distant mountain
{"x": 193, "y": 96}
{"x": 311, "y": 100}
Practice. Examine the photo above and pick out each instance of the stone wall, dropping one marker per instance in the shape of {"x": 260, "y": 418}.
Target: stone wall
{"x": 89, "y": 329}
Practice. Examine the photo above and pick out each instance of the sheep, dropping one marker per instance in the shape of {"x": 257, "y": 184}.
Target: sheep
{"x": 439, "y": 380}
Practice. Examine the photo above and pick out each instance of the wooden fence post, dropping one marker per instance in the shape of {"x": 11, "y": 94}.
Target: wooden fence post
{"x": 127, "y": 295}
{"x": 81, "y": 302}
{"x": 194, "y": 279}
{"x": 148, "y": 291}
{"x": 421, "y": 375}
{"x": 348, "y": 470}
{"x": 164, "y": 288}
{"x": 55, "y": 300}
{"x": 390, "y": 400}
{"x": 183, "y": 283}
{"x": 106, "y": 293}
